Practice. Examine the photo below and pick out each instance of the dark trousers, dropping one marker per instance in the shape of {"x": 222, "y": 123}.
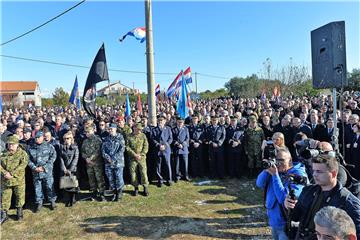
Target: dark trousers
{"x": 181, "y": 166}
{"x": 163, "y": 163}
{"x": 216, "y": 162}
{"x": 196, "y": 164}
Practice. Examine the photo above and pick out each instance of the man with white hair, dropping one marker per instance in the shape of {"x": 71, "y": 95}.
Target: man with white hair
{"x": 334, "y": 223}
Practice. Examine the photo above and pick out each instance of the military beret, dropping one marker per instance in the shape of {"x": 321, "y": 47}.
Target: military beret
{"x": 120, "y": 118}
{"x": 138, "y": 126}
{"x": 12, "y": 140}
{"x": 39, "y": 134}
{"x": 113, "y": 125}
{"x": 215, "y": 117}
{"x": 233, "y": 118}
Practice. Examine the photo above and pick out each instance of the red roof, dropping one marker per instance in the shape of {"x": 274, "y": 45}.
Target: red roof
{"x": 12, "y": 87}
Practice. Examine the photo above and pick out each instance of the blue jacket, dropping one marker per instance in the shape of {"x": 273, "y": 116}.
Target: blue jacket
{"x": 277, "y": 191}
{"x": 162, "y": 136}
{"x": 42, "y": 155}
{"x": 113, "y": 149}
{"x": 180, "y": 136}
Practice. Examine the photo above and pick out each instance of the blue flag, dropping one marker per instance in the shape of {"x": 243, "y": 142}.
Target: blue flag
{"x": 182, "y": 105}
{"x": 127, "y": 106}
{"x": 75, "y": 96}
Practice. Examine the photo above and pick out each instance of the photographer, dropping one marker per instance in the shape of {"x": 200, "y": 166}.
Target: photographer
{"x": 327, "y": 191}
{"x": 275, "y": 180}
{"x": 307, "y": 149}
{"x": 270, "y": 147}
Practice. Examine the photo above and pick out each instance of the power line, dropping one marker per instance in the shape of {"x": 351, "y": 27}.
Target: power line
{"x": 212, "y": 76}
{"x": 110, "y": 69}
{"x": 52, "y": 19}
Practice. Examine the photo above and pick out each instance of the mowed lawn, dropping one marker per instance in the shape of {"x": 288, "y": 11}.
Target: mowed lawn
{"x": 226, "y": 209}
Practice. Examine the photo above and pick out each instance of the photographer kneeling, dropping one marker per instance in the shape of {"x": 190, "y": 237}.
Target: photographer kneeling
{"x": 279, "y": 175}
{"x": 327, "y": 191}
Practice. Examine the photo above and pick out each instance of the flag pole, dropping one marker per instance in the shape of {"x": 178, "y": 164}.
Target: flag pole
{"x": 150, "y": 64}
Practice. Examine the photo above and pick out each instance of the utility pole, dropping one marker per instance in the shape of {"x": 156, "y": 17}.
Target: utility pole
{"x": 196, "y": 82}
{"x": 150, "y": 64}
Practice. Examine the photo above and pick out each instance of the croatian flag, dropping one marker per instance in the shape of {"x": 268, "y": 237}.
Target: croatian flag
{"x": 157, "y": 89}
{"x": 139, "y": 33}
{"x": 187, "y": 75}
{"x": 173, "y": 86}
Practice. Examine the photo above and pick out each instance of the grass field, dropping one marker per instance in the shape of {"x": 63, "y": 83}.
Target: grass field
{"x": 227, "y": 209}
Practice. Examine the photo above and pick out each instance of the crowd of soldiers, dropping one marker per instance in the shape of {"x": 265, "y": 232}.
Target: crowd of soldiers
{"x": 220, "y": 138}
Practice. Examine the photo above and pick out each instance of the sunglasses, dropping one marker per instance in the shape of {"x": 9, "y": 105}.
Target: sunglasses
{"x": 67, "y": 138}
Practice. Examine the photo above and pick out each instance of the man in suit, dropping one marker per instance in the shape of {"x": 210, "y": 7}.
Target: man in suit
{"x": 355, "y": 152}
{"x": 215, "y": 137}
{"x": 161, "y": 138}
{"x": 196, "y": 133}
{"x": 180, "y": 147}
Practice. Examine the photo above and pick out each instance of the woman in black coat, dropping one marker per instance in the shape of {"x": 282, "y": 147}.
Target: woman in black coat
{"x": 69, "y": 155}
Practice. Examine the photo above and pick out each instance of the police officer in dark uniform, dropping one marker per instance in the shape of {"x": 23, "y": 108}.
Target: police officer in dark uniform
{"x": 161, "y": 138}
{"x": 180, "y": 147}
{"x": 234, "y": 148}
{"x": 215, "y": 137}
{"x": 196, "y": 132}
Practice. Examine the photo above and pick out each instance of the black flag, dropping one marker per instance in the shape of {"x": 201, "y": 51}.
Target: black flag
{"x": 98, "y": 73}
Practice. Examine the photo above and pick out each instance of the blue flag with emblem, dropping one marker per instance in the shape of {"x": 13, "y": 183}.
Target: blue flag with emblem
{"x": 75, "y": 96}
{"x": 182, "y": 105}
{"x": 127, "y": 106}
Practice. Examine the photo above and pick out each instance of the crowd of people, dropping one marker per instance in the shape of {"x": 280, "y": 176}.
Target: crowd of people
{"x": 225, "y": 137}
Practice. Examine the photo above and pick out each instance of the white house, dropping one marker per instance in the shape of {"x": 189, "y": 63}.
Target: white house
{"x": 20, "y": 93}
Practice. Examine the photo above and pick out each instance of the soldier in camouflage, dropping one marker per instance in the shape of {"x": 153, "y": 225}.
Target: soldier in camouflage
{"x": 113, "y": 150}
{"x": 253, "y": 137}
{"x": 41, "y": 162}
{"x": 91, "y": 153}
{"x": 137, "y": 147}
{"x": 12, "y": 169}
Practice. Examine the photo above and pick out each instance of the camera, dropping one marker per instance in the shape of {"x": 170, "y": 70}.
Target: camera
{"x": 268, "y": 163}
{"x": 303, "y": 149}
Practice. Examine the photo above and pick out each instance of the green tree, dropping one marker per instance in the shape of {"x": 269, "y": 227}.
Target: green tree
{"x": 47, "y": 102}
{"x": 354, "y": 80}
{"x": 244, "y": 87}
{"x": 60, "y": 97}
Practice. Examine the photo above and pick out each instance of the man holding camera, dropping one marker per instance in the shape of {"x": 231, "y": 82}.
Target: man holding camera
{"x": 326, "y": 192}
{"x": 280, "y": 177}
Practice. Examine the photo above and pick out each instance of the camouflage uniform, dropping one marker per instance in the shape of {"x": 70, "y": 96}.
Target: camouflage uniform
{"x": 138, "y": 144}
{"x": 43, "y": 155}
{"x": 91, "y": 148}
{"x": 253, "y": 140}
{"x": 113, "y": 150}
{"x": 14, "y": 163}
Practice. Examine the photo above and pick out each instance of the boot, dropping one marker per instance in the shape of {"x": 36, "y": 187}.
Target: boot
{"x": 73, "y": 199}
{"x": 136, "y": 191}
{"x": 3, "y": 217}
{"x": 19, "y": 214}
{"x": 52, "y": 205}
{"x": 116, "y": 196}
{"x": 38, "y": 207}
{"x": 146, "y": 191}
{"x": 102, "y": 197}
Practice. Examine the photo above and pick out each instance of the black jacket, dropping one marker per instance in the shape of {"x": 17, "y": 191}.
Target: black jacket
{"x": 336, "y": 197}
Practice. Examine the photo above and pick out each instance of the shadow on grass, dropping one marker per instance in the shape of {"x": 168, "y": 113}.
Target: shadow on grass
{"x": 166, "y": 226}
